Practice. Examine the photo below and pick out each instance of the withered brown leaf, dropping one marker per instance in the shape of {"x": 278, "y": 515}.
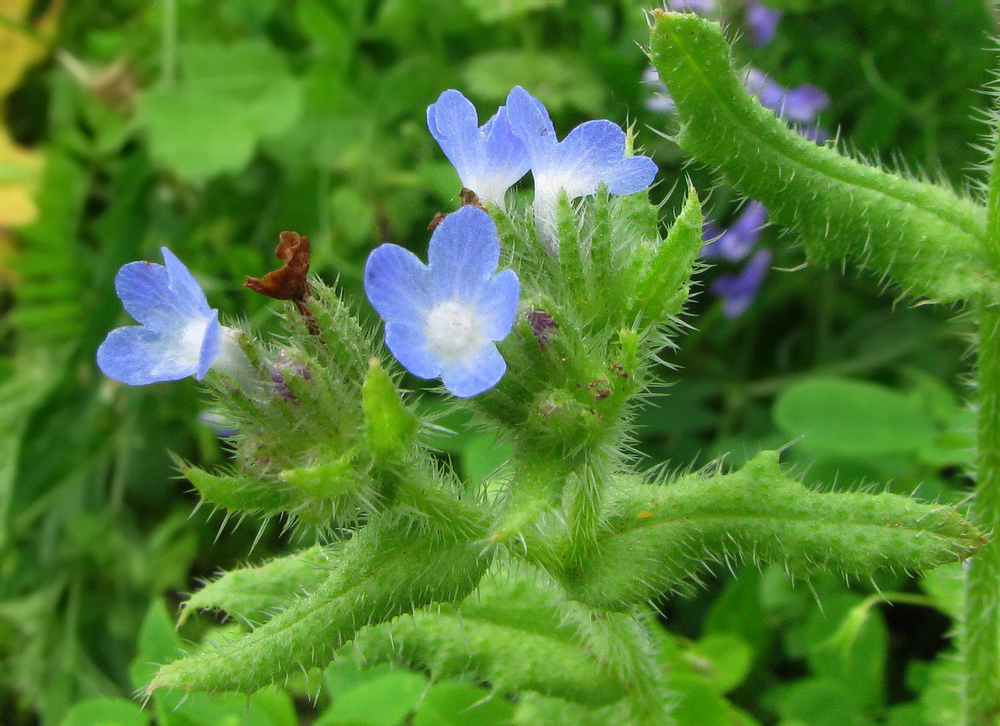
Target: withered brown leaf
{"x": 289, "y": 281}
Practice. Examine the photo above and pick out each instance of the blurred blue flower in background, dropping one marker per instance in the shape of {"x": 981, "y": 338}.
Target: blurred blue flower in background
{"x": 179, "y": 334}
{"x": 738, "y": 290}
{"x": 443, "y": 319}
{"x": 735, "y": 242}
{"x": 801, "y": 103}
{"x": 762, "y": 22}
{"x": 489, "y": 159}
{"x": 591, "y": 154}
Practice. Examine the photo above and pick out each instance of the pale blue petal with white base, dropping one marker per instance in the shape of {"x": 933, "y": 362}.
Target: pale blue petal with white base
{"x": 397, "y": 284}
{"x": 450, "y": 326}
{"x": 180, "y": 334}
{"x": 470, "y": 377}
{"x": 488, "y": 159}
{"x": 591, "y": 155}
{"x": 463, "y": 252}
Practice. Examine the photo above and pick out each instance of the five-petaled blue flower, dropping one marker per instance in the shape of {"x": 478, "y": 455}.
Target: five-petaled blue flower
{"x": 179, "y": 335}
{"x": 591, "y": 154}
{"x": 444, "y": 319}
{"x": 489, "y": 159}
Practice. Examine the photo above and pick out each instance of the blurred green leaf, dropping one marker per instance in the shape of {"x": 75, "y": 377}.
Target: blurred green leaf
{"x": 493, "y": 11}
{"x": 844, "y": 416}
{"x": 106, "y": 712}
{"x": 821, "y": 702}
{"x": 382, "y": 701}
{"x": 230, "y": 98}
{"x": 731, "y": 658}
{"x": 698, "y": 704}
{"x": 946, "y": 587}
{"x": 561, "y": 81}
{"x": 454, "y": 703}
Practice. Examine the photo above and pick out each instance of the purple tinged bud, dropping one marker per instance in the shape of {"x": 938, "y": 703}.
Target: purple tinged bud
{"x": 543, "y": 326}
{"x": 283, "y": 367}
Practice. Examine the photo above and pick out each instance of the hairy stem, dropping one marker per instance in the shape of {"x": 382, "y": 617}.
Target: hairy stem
{"x": 981, "y": 631}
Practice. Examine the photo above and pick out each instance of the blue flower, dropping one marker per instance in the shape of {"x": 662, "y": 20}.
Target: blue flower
{"x": 801, "y": 103}
{"x": 444, "y": 319}
{"x": 735, "y": 242}
{"x": 488, "y": 158}
{"x": 738, "y": 291}
{"x": 179, "y": 335}
{"x": 591, "y": 154}
{"x": 762, "y": 21}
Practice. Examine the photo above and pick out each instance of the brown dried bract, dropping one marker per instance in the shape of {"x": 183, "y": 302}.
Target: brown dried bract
{"x": 469, "y": 199}
{"x": 289, "y": 281}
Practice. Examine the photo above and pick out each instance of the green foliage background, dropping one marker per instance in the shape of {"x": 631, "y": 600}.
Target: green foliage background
{"x": 210, "y": 126}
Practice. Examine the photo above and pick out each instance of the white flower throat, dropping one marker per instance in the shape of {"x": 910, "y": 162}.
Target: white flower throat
{"x": 454, "y": 329}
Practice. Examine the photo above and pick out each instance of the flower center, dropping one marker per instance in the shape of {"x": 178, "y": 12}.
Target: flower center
{"x": 454, "y": 329}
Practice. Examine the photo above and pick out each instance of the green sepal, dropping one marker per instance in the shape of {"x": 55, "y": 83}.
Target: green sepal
{"x": 328, "y": 480}
{"x": 389, "y": 425}
{"x": 571, "y": 269}
{"x": 923, "y": 237}
{"x": 253, "y": 594}
{"x": 665, "y": 271}
{"x": 379, "y": 574}
{"x": 660, "y": 537}
{"x": 237, "y": 492}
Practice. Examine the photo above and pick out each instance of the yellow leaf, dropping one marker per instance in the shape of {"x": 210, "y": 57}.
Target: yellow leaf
{"x": 21, "y": 47}
{"x": 20, "y": 172}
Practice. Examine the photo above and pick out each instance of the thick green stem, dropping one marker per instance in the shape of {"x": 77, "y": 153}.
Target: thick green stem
{"x": 981, "y": 641}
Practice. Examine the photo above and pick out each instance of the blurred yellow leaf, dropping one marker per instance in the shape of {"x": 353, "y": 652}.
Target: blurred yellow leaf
{"x": 20, "y": 171}
{"x": 20, "y": 47}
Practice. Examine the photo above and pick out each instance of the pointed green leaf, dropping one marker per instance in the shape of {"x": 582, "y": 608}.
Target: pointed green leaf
{"x": 659, "y": 536}
{"x": 372, "y": 580}
{"x": 925, "y": 238}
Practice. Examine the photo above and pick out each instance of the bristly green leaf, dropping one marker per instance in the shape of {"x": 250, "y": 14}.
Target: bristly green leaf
{"x": 254, "y": 593}
{"x": 926, "y": 239}
{"x": 658, "y": 537}
{"x": 511, "y": 634}
{"x": 390, "y": 427}
{"x": 664, "y": 275}
{"x": 372, "y": 580}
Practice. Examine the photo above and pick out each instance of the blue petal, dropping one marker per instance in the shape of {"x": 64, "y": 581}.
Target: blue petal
{"x": 530, "y": 122}
{"x": 463, "y": 254}
{"x": 454, "y": 124}
{"x": 498, "y": 304}
{"x": 161, "y": 298}
{"x": 504, "y": 159}
{"x": 408, "y": 343}
{"x": 471, "y": 376}
{"x": 489, "y": 159}
{"x": 137, "y": 356}
{"x": 630, "y": 175}
{"x": 189, "y": 294}
{"x": 144, "y": 289}
{"x": 398, "y": 284}
{"x": 211, "y": 346}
